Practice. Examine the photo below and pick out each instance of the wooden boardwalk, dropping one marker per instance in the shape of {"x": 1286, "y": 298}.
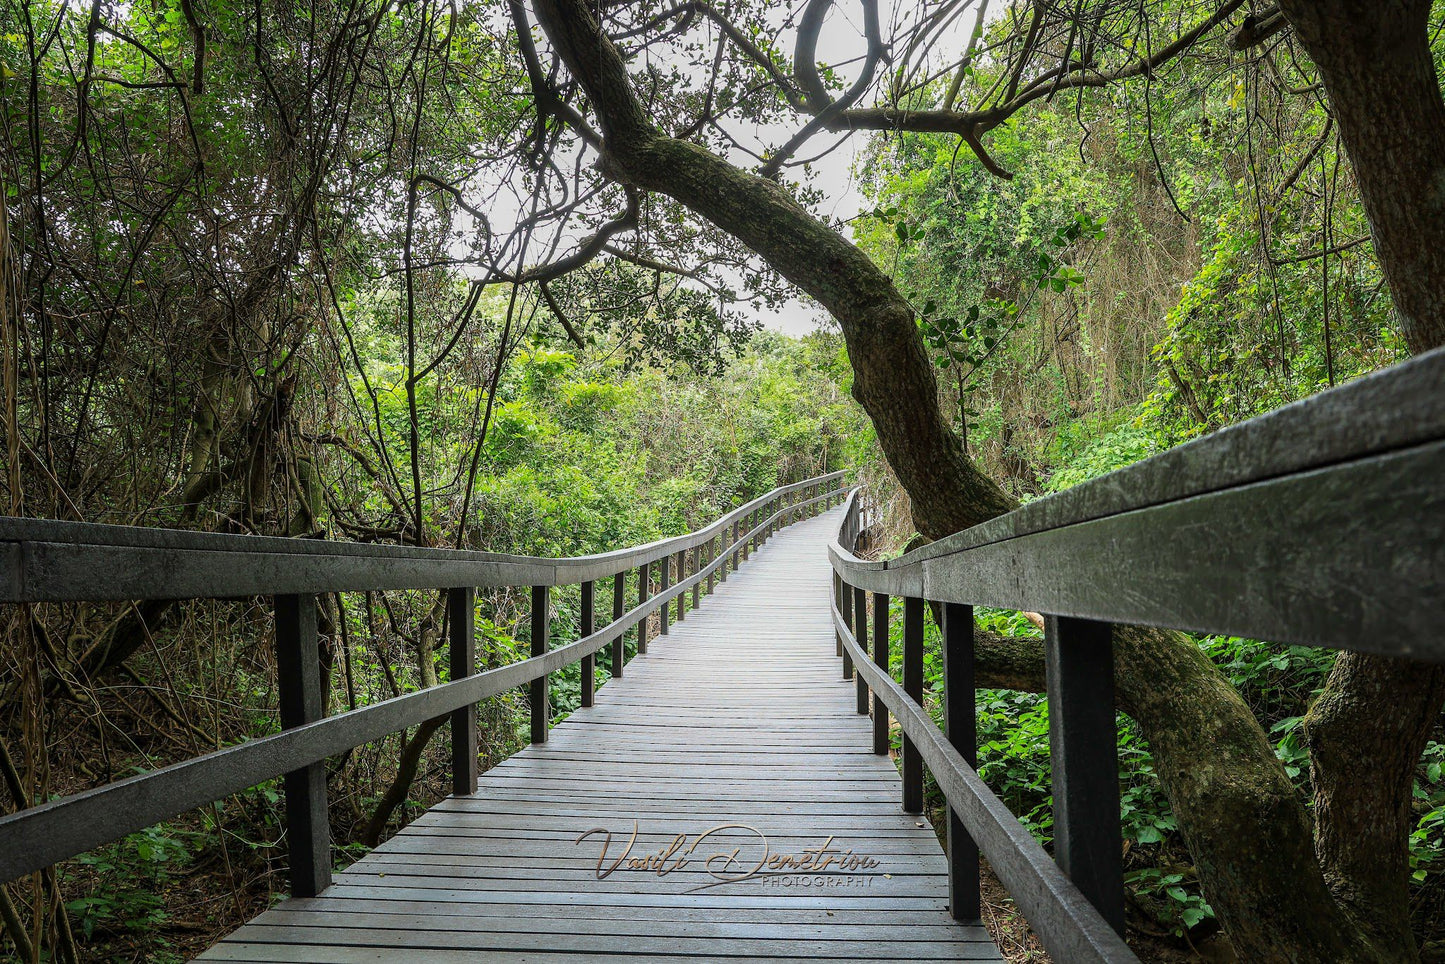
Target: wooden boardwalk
{"x": 737, "y": 728}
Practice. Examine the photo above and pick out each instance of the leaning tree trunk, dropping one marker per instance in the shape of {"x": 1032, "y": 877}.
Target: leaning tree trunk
{"x": 1246, "y": 826}
{"x": 1368, "y": 728}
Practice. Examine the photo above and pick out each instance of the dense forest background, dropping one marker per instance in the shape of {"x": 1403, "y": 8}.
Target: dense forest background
{"x": 306, "y": 269}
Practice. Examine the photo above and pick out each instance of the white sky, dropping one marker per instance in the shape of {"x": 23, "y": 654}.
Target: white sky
{"x": 832, "y": 175}
{"x": 841, "y": 43}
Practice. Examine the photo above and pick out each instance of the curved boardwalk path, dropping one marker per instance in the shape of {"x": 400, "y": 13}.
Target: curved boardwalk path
{"x": 739, "y": 719}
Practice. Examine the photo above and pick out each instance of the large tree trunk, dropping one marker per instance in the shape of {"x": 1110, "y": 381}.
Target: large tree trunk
{"x": 1248, "y": 829}
{"x": 1368, "y": 728}
{"x": 1374, "y": 58}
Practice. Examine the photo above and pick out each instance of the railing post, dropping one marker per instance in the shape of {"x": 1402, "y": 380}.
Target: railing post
{"x": 643, "y": 577}
{"x": 696, "y": 568}
{"x": 681, "y": 578}
{"x": 589, "y": 671}
{"x": 462, "y": 652}
{"x": 880, "y": 659}
{"x": 541, "y": 627}
{"x": 664, "y": 581}
{"x": 298, "y": 670}
{"x": 1083, "y": 747}
{"x": 845, "y": 605}
{"x": 860, "y": 632}
{"x": 913, "y": 686}
{"x": 713, "y": 545}
{"x": 960, "y": 715}
{"x": 619, "y": 606}
{"x": 838, "y": 602}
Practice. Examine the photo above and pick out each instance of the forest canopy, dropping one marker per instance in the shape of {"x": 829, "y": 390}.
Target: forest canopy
{"x": 490, "y": 275}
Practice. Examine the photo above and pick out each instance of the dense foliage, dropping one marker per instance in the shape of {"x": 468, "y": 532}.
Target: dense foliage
{"x": 350, "y": 271}
{"x": 1170, "y": 256}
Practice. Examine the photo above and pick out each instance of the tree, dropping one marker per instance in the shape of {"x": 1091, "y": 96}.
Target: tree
{"x": 1253, "y": 839}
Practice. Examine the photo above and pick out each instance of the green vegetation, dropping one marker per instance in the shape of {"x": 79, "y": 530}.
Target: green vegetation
{"x": 413, "y": 274}
{"x": 1142, "y": 279}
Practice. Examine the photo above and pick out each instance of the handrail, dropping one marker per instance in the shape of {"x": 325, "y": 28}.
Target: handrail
{"x": 42, "y": 835}
{"x": 1069, "y": 926}
{"x": 1041, "y": 890}
{"x": 1321, "y": 523}
{"x": 1324, "y": 528}
{"x": 45, "y": 560}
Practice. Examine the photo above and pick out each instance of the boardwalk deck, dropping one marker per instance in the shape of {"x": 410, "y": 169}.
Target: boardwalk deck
{"x": 740, "y": 720}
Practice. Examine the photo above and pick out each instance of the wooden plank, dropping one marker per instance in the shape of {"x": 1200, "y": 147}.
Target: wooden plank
{"x": 735, "y": 728}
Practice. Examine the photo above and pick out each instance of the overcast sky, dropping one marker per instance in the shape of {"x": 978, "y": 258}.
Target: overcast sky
{"x": 840, "y": 42}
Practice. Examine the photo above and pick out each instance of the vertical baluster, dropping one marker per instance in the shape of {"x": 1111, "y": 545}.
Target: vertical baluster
{"x": 838, "y": 602}
{"x": 664, "y": 581}
{"x": 298, "y": 670}
{"x": 585, "y": 620}
{"x": 681, "y": 578}
{"x": 462, "y": 653}
{"x": 880, "y": 659}
{"x": 541, "y": 627}
{"x": 845, "y": 605}
{"x": 643, "y": 589}
{"x": 619, "y": 606}
{"x": 712, "y": 551}
{"x": 913, "y": 686}
{"x": 697, "y": 556}
{"x": 1083, "y": 747}
{"x": 860, "y": 631}
{"x": 960, "y": 716}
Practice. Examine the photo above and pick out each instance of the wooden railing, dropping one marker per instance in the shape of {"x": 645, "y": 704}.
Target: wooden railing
{"x": 1319, "y": 524}
{"x": 46, "y": 561}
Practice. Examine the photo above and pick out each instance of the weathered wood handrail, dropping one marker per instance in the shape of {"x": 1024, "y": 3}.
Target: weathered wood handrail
{"x": 43, "y": 560}
{"x": 46, "y": 561}
{"x": 1322, "y": 523}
